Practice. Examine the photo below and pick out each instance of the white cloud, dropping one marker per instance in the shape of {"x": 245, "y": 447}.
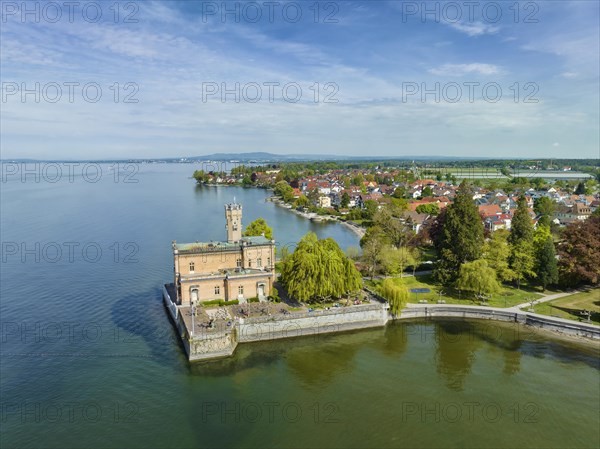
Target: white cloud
{"x": 474, "y": 28}
{"x": 464, "y": 69}
{"x": 569, "y": 75}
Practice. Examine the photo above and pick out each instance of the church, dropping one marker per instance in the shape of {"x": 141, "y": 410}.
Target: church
{"x": 236, "y": 269}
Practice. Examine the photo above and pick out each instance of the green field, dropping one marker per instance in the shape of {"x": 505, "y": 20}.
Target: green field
{"x": 570, "y": 307}
{"x": 508, "y": 297}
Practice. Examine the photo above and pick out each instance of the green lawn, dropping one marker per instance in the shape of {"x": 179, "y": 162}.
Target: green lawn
{"x": 570, "y": 306}
{"x": 508, "y": 297}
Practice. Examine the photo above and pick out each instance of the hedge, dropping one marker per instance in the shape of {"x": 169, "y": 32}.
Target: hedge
{"x": 220, "y": 302}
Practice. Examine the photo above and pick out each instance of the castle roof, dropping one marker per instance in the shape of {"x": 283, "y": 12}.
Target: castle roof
{"x": 201, "y": 247}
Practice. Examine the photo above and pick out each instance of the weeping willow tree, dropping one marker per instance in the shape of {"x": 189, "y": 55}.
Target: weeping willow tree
{"x": 319, "y": 270}
{"x": 397, "y": 295}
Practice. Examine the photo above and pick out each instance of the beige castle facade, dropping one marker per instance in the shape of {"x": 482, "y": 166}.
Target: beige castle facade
{"x": 240, "y": 268}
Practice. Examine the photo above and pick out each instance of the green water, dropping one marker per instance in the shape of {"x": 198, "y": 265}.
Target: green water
{"x": 90, "y": 359}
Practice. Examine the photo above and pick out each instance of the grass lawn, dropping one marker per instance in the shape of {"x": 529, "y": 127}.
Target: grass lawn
{"x": 508, "y": 297}
{"x": 570, "y": 306}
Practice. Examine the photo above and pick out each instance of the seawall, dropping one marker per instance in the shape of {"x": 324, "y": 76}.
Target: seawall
{"x": 221, "y": 342}
{"x": 557, "y": 325}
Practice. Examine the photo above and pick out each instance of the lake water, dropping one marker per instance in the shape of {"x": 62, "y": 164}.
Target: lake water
{"x": 89, "y": 358}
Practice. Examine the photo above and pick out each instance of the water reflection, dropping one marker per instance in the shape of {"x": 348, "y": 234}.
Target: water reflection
{"x": 455, "y": 352}
{"x": 395, "y": 339}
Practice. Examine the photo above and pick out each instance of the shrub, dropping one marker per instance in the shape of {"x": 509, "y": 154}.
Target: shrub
{"x": 254, "y": 299}
{"x": 274, "y": 296}
{"x": 220, "y": 302}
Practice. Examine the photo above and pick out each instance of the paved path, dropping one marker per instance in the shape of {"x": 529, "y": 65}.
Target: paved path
{"x": 545, "y": 299}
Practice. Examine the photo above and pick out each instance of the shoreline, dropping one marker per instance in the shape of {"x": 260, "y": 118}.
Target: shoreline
{"x": 360, "y": 232}
{"x": 222, "y": 343}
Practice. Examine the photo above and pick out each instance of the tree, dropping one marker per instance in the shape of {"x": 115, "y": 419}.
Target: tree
{"x": 522, "y": 258}
{"x": 461, "y": 236}
{"x": 478, "y": 277}
{"x": 200, "y": 176}
{"x": 579, "y": 252}
{"x": 496, "y": 251}
{"x": 427, "y": 192}
{"x": 417, "y": 256}
{"x": 345, "y": 200}
{"x": 395, "y": 260}
{"x": 397, "y": 230}
{"x": 546, "y": 265}
{"x": 284, "y": 190}
{"x": 397, "y": 295}
{"x": 580, "y": 190}
{"x": 318, "y": 270}
{"x": 522, "y": 262}
{"x": 302, "y": 201}
{"x": 544, "y": 206}
{"x": 429, "y": 209}
{"x": 399, "y": 192}
{"x": 259, "y": 227}
{"x": 371, "y": 207}
{"x": 538, "y": 183}
{"x": 372, "y": 244}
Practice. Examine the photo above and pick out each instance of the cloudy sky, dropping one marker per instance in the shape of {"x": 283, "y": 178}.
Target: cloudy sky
{"x": 167, "y": 79}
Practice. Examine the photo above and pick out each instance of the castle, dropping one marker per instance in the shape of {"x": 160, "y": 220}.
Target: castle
{"x": 240, "y": 268}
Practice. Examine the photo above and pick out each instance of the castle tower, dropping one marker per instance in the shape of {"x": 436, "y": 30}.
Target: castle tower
{"x": 233, "y": 222}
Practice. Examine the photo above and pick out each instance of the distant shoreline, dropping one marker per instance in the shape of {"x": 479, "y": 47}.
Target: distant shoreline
{"x": 360, "y": 232}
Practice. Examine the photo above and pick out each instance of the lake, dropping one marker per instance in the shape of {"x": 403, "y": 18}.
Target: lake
{"x": 90, "y": 359}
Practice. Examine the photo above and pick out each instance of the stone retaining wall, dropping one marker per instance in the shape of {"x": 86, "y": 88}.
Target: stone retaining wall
{"x": 215, "y": 344}
{"x": 312, "y": 323}
{"x": 558, "y": 325}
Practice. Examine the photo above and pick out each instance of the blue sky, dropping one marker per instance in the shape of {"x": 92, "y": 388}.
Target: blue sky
{"x": 377, "y": 56}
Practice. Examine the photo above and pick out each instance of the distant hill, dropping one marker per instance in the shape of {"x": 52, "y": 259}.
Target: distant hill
{"x": 264, "y": 156}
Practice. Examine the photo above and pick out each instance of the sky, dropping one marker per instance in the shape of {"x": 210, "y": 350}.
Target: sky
{"x": 112, "y": 80}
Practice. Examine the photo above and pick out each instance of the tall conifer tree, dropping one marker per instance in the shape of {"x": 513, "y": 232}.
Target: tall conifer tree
{"x": 461, "y": 238}
{"x": 522, "y": 257}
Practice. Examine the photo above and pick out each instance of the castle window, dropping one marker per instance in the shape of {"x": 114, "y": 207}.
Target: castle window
{"x": 238, "y": 262}
{"x": 241, "y": 290}
{"x": 191, "y": 267}
{"x": 249, "y": 263}
{"x": 268, "y": 261}
{"x": 217, "y": 290}
{"x": 259, "y": 262}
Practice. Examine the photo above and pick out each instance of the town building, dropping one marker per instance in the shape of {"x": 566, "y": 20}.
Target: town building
{"x": 567, "y": 215}
{"x": 236, "y": 269}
